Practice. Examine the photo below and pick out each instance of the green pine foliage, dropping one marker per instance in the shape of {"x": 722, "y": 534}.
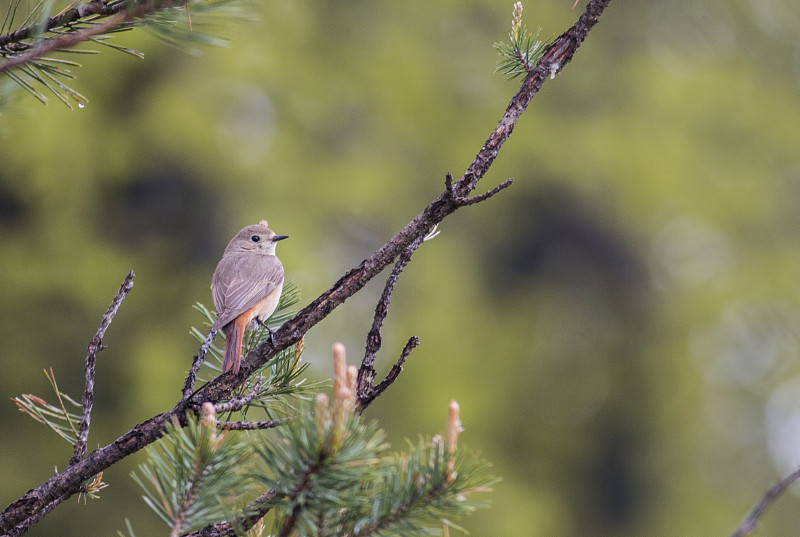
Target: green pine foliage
{"x": 61, "y": 421}
{"x": 329, "y": 472}
{"x": 186, "y": 24}
{"x": 195, "y": 474}
{"x": 197, "y": 23}
{"x": 518, "y": 56}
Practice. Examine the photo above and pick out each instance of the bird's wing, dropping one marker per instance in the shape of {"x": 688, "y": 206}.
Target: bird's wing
{"x": 241, "y": 281}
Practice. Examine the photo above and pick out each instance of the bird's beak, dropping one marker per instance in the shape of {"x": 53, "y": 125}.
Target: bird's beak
{"x": 277, "y": 238}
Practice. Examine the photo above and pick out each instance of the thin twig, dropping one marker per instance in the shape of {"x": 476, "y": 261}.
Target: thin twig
{"x": 95, "y": 346}
{"x": 749, "y": 523}
{"x": 461, "y": 201}
{"x": 289, "y": 523}
{"x": 374, "y": 391}
{"x": 464, "y": 201}
{"x": 251, "y": 425}
{"x": 191, "y": 378}
{"x": 255, "y": 511}
{"x": 237, "y": 403}
{"x": 366, "y": 374}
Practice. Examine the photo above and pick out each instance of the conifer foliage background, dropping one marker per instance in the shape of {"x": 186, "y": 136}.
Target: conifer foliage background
{"x": 626, "y": 348}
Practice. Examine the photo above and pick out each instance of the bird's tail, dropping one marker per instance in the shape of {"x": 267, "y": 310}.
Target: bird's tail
{"x": 234, "y": 332}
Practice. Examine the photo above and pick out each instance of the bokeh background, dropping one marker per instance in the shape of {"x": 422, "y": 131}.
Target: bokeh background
{"x": 621, "y": 327}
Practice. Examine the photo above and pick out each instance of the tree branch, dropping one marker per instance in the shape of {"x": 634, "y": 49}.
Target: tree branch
{"x": 63, "y": 41}
{"x": 68, "y": 482}
{"x": 251, "y": 425}
{"x": 191, "y": 377}
{"x": 104, "y": 19}
{"x": 366, "y": 374}
{"x": 748, "y": 525}
{"x": 255, "y": 511}
{"x": 95, "y": 346}
{"x": 64, "y": 18}
{"x": 374, "y": 391}
{"x": 237, "y": 403}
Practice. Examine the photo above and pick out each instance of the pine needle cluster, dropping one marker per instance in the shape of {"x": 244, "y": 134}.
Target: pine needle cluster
{"x": 61, "y": 420}
{"x": 195, "y": 475}
{"x": 518, "y": 55}
{"x": 32, "y": 44}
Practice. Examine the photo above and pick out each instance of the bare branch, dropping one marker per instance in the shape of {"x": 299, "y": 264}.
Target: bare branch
{"x": 750, "y": 522}
{"x": 251, "y": 425}
{"x": 191, "y": 378}
{"x": 95, "y": 346}
{"x": 370, "y": 395}
{"x": 464, "y": 201}
{"x": 366, "y": 374}
{"x": 255, "y": 511}
{"x": 237, "y": 403}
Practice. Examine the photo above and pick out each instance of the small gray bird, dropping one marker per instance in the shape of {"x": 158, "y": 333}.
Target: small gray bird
{"x": 247, "y": 285}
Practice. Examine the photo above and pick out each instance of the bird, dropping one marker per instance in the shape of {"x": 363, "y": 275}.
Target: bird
{"x": 247, "y": 286}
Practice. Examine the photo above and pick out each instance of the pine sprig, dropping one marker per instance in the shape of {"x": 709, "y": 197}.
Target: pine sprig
{"x": 518, "y": 56}
{"x": 196, "y": 24}
{"x": 333, "y": 476}
{"x": 26, "y": 53}
{"x": 63, "y": 422}
{"x": 418, "y": 494}
{"x": 195, "y": 474}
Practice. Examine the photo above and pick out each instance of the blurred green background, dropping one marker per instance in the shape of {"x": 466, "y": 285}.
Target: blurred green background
{"x": 621, "y": 327}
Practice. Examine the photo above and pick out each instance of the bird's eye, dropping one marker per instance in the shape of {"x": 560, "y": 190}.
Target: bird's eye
{"x": 255, "y": 238}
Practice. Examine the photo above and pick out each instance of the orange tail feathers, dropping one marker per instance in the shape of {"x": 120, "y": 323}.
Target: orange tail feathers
{"x": 234, "y": 332}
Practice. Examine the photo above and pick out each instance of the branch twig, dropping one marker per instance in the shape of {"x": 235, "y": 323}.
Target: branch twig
{"x": 237, "y": 403}
{"x": 255, "y": 511}
{"x": 191, "y": 378}
{"x": 95, "y": 346}
{"x": 251, "y": 425}
{"x": 366, "y": 374}
{"x": 374, "y": 391}
{"x": 749, "y": 523}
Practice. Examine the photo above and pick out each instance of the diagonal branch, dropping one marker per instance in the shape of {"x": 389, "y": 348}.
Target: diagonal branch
{"x": 748, "y": 525}
{"x": 95, "y": 346}
{"x": 68, "y": 482}
{"x": 255, "y": 511}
